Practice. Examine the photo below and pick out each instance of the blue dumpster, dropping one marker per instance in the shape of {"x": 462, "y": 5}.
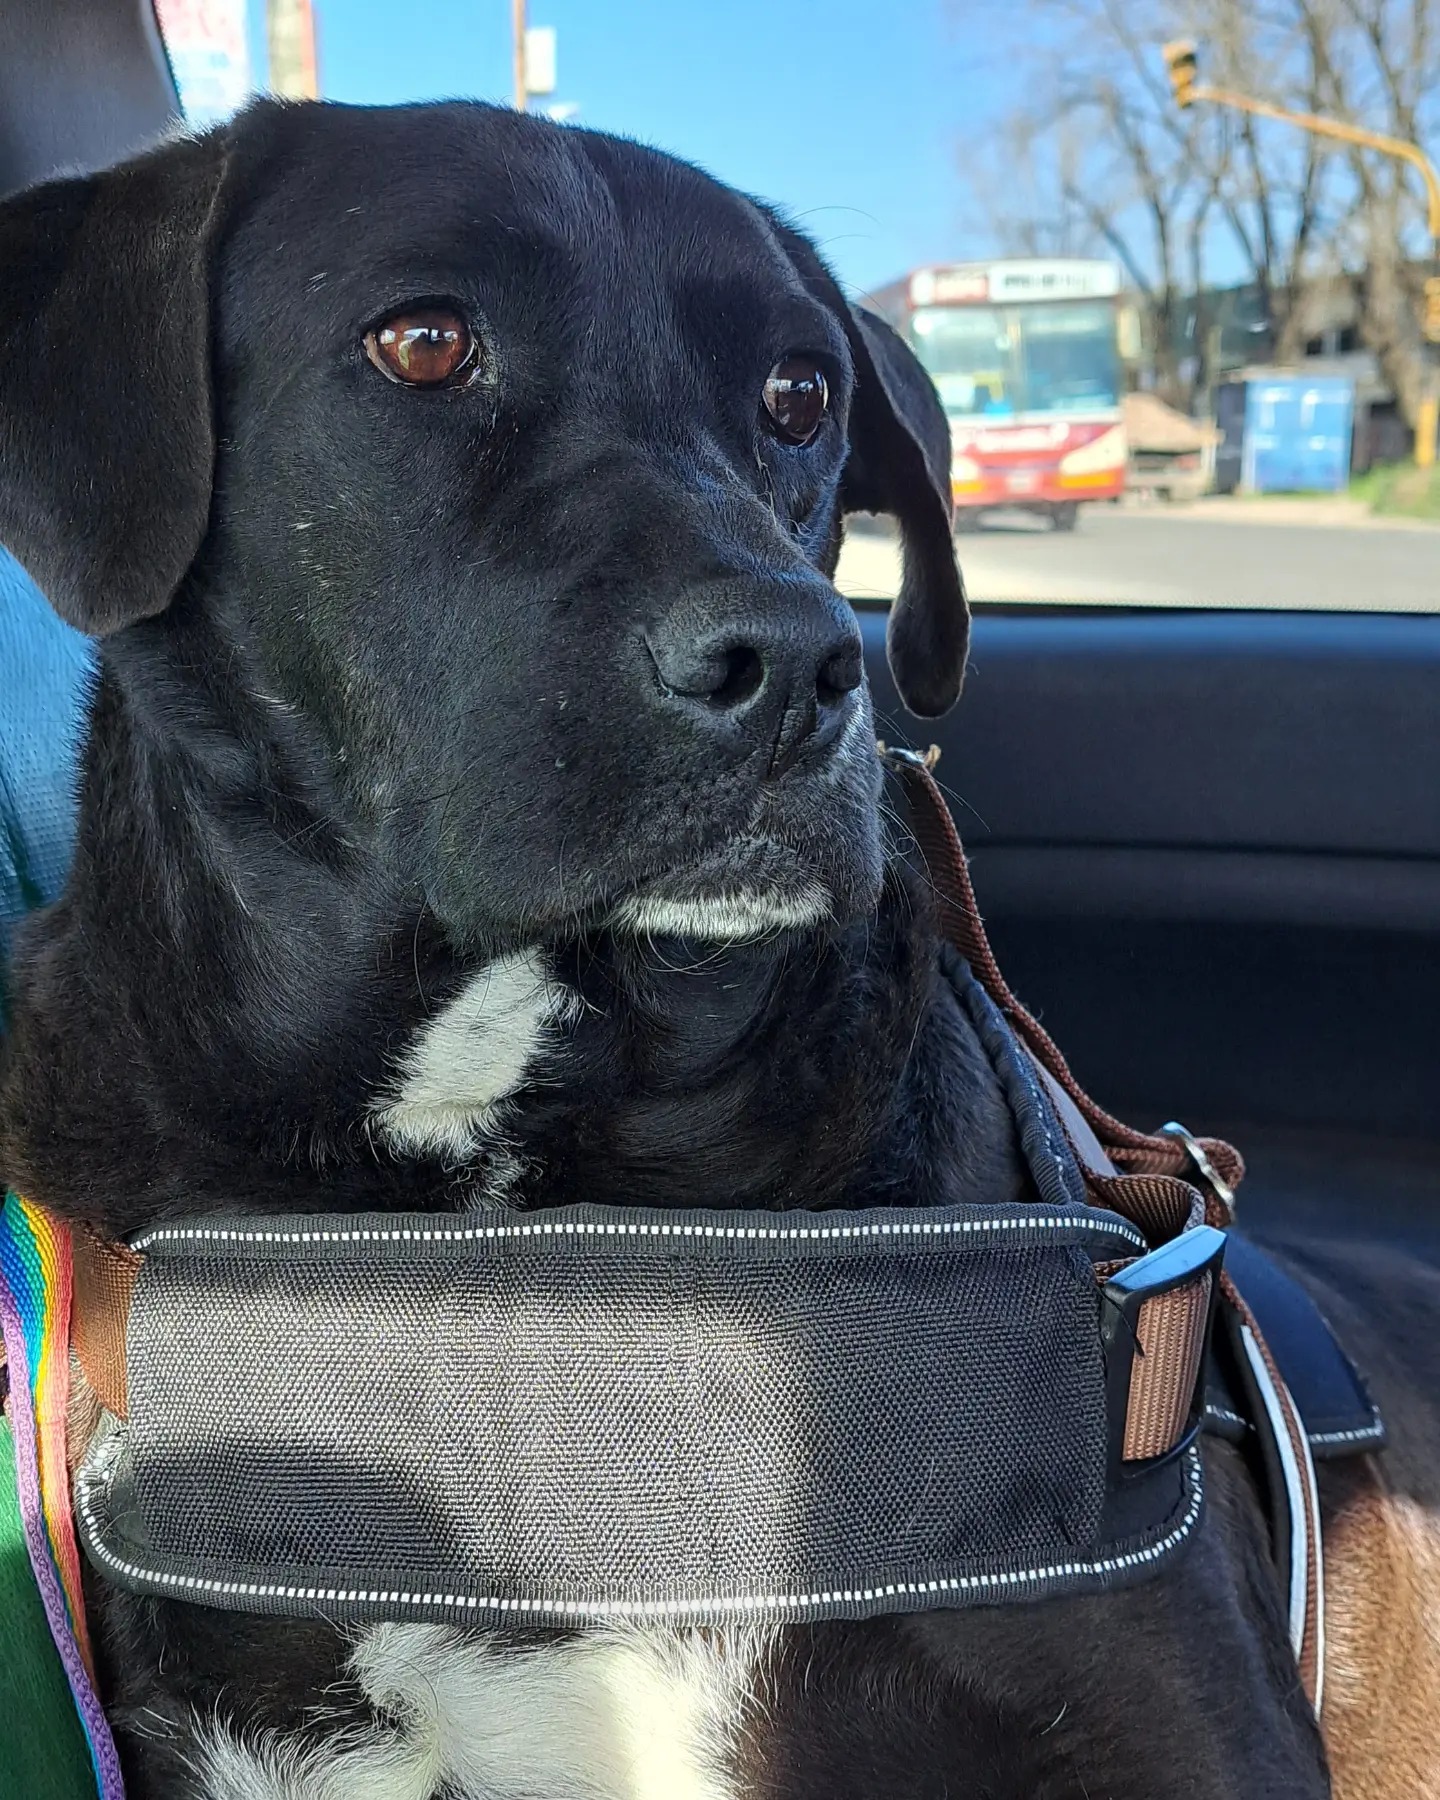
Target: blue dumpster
{"x": 1286, "y": 433}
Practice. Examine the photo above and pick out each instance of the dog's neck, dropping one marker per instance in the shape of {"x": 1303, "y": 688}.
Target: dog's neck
{"x": 232, "y": 1007}
{"x": 819, "y": 1071}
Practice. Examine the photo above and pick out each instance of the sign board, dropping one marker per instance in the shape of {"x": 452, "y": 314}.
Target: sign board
{"x": 948, "y": 287}
{"x": 540, "y": 59}
{"x": 205, "y": 41}
{"x": 1024, "y": 278}
{"x": 1012, "y": 440}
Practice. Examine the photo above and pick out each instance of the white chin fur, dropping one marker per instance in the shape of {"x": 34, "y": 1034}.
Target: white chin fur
{"x": 735, "y": 918}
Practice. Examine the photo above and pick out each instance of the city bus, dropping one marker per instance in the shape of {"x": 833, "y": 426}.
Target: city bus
{"x": 1026, "y": 355}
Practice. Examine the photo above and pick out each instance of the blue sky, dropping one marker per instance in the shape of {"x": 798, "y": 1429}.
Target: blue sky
{"x": 850, "y": 113}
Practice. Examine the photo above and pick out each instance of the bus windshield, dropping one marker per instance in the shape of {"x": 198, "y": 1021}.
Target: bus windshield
{"x": 999, "y": 361}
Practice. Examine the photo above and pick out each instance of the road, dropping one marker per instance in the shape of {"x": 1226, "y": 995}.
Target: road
{"x": 1211, "y": 554}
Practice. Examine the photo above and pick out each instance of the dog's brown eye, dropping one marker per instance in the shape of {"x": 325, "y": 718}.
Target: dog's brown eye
{"x": 429, "y": 347}
{"x": 796, "y": 396}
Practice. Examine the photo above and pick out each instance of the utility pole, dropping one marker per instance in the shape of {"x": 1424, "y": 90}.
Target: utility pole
{"x": 517, "y": 33}
{"x": 294, "y": 64}
{"x": 1180, "y": 59}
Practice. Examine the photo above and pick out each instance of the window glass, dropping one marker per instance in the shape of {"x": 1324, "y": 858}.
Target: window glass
{"x": 994, "y": 362}
{"x": 1126, "y": 431}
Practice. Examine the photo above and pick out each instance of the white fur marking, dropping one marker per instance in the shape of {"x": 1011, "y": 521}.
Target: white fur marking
{"x": 471, "y": 1057}
{"x": 726, "y": 918}
{"x": 617, "y": 1715}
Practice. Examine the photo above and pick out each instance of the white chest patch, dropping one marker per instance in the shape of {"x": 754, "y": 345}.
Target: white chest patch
{"x": 471, "y": 1056}
{"x": 618, "y": 1715}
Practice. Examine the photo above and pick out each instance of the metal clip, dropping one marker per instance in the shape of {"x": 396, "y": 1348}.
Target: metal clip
{"x": 898, "y": 755}
{"x": 1206, "y": 1170}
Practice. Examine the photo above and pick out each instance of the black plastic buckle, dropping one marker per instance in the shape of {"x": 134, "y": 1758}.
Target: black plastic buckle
{"x": 1184, "y": 1259}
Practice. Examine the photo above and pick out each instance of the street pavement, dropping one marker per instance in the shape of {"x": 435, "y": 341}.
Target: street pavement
{"x": 1300, "y": 556}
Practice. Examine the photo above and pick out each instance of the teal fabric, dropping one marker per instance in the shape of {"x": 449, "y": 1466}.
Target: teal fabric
{"x": 44, "y": 683}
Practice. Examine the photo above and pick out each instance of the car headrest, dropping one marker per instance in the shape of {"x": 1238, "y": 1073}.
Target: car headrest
{"x": 82, "y": 83}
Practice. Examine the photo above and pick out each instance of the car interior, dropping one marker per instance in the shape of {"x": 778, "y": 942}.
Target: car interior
{"x": 1207, "y": 844}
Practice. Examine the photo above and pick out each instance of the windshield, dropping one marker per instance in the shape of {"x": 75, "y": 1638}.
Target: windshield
{"x": 997, "y": 361}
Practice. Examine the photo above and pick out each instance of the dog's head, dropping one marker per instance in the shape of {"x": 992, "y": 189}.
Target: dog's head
{"x": 509, "y": 462}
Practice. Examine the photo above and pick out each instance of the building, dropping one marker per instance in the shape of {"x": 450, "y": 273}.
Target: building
{"x": 1237, "y": 341}
{"x": 209, "y": 55}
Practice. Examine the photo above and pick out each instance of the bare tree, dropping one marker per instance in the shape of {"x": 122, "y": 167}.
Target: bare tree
{"x": 1369, "y": 62}
{"x": 1142, "y": 181}
{"x": 1384, "y": 71}
{"x": 1167, "y": 191}
{"x": 1273, "y": 180}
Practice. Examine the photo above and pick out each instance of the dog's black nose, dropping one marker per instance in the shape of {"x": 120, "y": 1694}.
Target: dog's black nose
{"x": 780, "y": 665}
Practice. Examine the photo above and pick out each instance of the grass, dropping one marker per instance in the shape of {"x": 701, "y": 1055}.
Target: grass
{"x": 1400, "y": 490}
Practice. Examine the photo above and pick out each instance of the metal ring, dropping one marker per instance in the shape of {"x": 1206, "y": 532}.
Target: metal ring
{"x": 1207, "y": 1171}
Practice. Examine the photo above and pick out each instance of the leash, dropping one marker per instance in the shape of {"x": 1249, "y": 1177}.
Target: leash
{"x": 36, "y": 1292}
{"x": 1155, "y": 1180}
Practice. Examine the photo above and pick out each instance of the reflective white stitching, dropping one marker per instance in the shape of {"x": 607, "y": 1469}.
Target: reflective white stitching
{"x": 602, "y": 1228}
{"x": 1361, "y": 1435}
{"x": 648, "y": 1609}
{"x": 1349, "y": 1437}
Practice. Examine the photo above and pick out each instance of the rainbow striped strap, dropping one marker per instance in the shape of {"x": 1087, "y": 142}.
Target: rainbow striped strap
{"x": 35, "y": 1291}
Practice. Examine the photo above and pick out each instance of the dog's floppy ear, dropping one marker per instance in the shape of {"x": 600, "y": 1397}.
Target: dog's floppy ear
{"x": 899, "y": 463}
{"x": 106, "y": 437}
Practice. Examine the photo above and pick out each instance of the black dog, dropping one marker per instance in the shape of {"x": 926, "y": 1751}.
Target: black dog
{"x": 481, "y": 808}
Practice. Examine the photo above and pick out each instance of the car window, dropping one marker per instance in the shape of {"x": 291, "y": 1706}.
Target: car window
{"x": 1170, "y": 382}
{"x": 208, "y": 44}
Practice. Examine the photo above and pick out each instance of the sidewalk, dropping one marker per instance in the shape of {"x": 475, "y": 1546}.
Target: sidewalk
{"x": 1323, "y": 512}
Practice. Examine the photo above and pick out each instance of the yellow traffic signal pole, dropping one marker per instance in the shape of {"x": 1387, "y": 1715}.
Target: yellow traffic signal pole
{"x": 1180, "y": 59}
{"x": 517, "y": 46}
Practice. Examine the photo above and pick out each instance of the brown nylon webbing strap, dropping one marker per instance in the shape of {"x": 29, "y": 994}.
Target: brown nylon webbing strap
{"x": 104, "y": 1276}
{"x": 1161, "y": 1205}
{"x": 1170, "y": 1334}
{"x": 1089, "y": 1151}
{"x": 1134, "y": 1151}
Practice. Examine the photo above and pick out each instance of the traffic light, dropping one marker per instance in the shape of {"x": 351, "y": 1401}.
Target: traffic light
{"x": 1180, "y": 61}
{"x": 1432, "y": 309}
